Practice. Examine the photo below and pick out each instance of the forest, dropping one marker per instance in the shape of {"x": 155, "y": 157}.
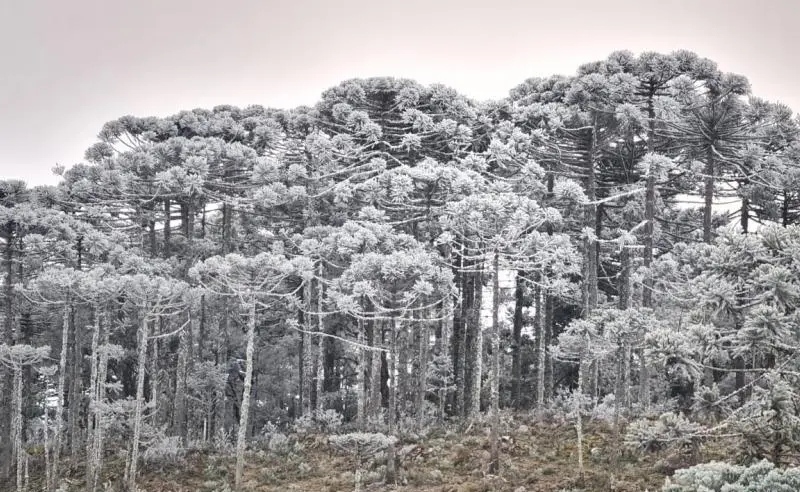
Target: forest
{"x": 615, "y": 251}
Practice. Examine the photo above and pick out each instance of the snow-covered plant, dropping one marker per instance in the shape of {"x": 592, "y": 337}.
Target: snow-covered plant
{"x": 327, "y": 421}
{"x": 708, "y": 404}
{"x": 723, "y": 477}
{"x": 361, "y": 444}
{"x": 606, "y": 410}
{"x": 165, "y": 450}
{"x": 670, "y": 430}
{"x": 769, "y": 422}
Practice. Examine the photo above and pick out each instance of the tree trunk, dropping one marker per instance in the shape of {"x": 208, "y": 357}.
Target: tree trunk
{"x": 301, "y": 349}
{"x": 179, "y": 427}
{"x": 6, "y": 381}
{"x": 745, "y": 219}
{"x": 516, "y": 362}
{"x": 548, "y": 339}
{"x": 92, "y": 422}
{"x": 624, "y": 301}
{"x": 644, "y": 382}
{"x": 494, "y": 462}
{"x": 649, "y": 206}
{"x": 16, "y": 427}
{"x": 708, "y": 195}
{"x": 579, "y": 416}
{"x": 139, "y": 407}
{"x": 167, "y": 227}
{"x": 590, "y": 244}
{"x": 391, "y": 459}
{"x": 76, "y": 388}
{"x": 245, "y": 408}
{"x": 361, "y": 386}
{"x": 60, "y": 391}
{"x": 320, "y": 364}
{"x": 422, "y": 375}
{"x": 376, "y": 372}
{"x": 541, "y": 345}
{"x": 97, "y": 447}
{"x": 474, "y": 354}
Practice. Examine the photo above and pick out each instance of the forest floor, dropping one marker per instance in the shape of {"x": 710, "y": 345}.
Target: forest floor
{"x": 535, "y": 457}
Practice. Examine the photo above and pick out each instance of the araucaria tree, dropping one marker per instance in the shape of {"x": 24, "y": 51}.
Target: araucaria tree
{"x": 398, "y": 257}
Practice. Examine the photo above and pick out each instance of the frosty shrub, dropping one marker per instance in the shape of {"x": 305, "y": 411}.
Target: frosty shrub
{"x": 605, "y": 410}
{"x": 708, "y": 405}
{"x": 670, "y": 430}
{"x": 770, "y": 421}
{"x": 360, "y": 444}
{"x": 723, "y": 477}
{"x": 327, "y": 421}
{"x": 273, "y": 440}
{"x": 165, "y": 451}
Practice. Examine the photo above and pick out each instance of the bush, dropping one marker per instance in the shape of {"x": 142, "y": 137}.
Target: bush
{"x": 671, "y": 430}
{"x": 165, "y": 451}
{"x": 327, "y": 421}
{"x": 723, "y": 477}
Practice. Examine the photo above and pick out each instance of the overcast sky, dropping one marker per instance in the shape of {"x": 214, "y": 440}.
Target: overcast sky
{"x": 68, "y": 66}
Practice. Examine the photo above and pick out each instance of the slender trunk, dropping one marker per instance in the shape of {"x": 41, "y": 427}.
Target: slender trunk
{"x": 16, "y": 427}
{"x": 47, "y": 445}
{"x": 301, "y": 350}
{"x": 708, "y": 195}
{"x": 579, "y": 415}
{"x": 361, "y": 387}
{"x": 245, "y": 408}
{"x": 590, "y": 244}
{"x": 179, "y": 427}
{"x": 626, "y": 393}
{"x": 422, "y": 376}
{"x": 139, "y": 406}
{"x": 6, "y": 329}
{"x": 649, "y": 207}
{"x": 320, "y": 362}
{"x": 541, "y": 345}
{"x": 404, "y": 346}
{"x": 494, "y": 462}
{"x": 62, "y": 372}
{"x": 155, "y": 379}
{"x": 76, "y": 388}
{"x": 516, "y": 359}
{"x": 785, "y": 209}
{"x": 92, "y": 423}
{"x": 391, "y": 459}
{"x": 644, "y": 382}
{"x": 745, "y": 219}
{"x": 459, "y": 344}
{"x": 97, "y": 447}
{"x": 474, "y": 355}
{"x": 167, "y": 227}
{"x": 624, "y": 301}
{"x": 376, "y": 372}
{"x": 548, "y": 339}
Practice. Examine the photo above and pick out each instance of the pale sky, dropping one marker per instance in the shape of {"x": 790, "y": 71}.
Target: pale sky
{"x": 68, "y": 66}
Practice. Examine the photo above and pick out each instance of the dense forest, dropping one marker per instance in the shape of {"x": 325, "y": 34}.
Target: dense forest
{"x": 619, "y": 245}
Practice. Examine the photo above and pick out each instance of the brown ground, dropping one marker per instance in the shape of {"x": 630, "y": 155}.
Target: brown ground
{"x": 535, "y": 457}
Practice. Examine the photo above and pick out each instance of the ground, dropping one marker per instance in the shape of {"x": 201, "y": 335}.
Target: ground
{"x": 536, "y": 456}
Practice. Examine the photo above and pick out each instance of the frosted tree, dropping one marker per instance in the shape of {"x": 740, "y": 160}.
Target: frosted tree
{"x": 501, "y": 228}
{"x": 16, "y": 357}
{"x": 397, "y": 285}
{"x": 258, "y": 281}
{"x": 152, "y": 296}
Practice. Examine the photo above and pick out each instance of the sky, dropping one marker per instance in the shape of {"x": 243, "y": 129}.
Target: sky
{"x": 69, "y": 66}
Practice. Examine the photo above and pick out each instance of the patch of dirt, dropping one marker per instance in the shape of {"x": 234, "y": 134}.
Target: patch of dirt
{"x": 535, "y": 457}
